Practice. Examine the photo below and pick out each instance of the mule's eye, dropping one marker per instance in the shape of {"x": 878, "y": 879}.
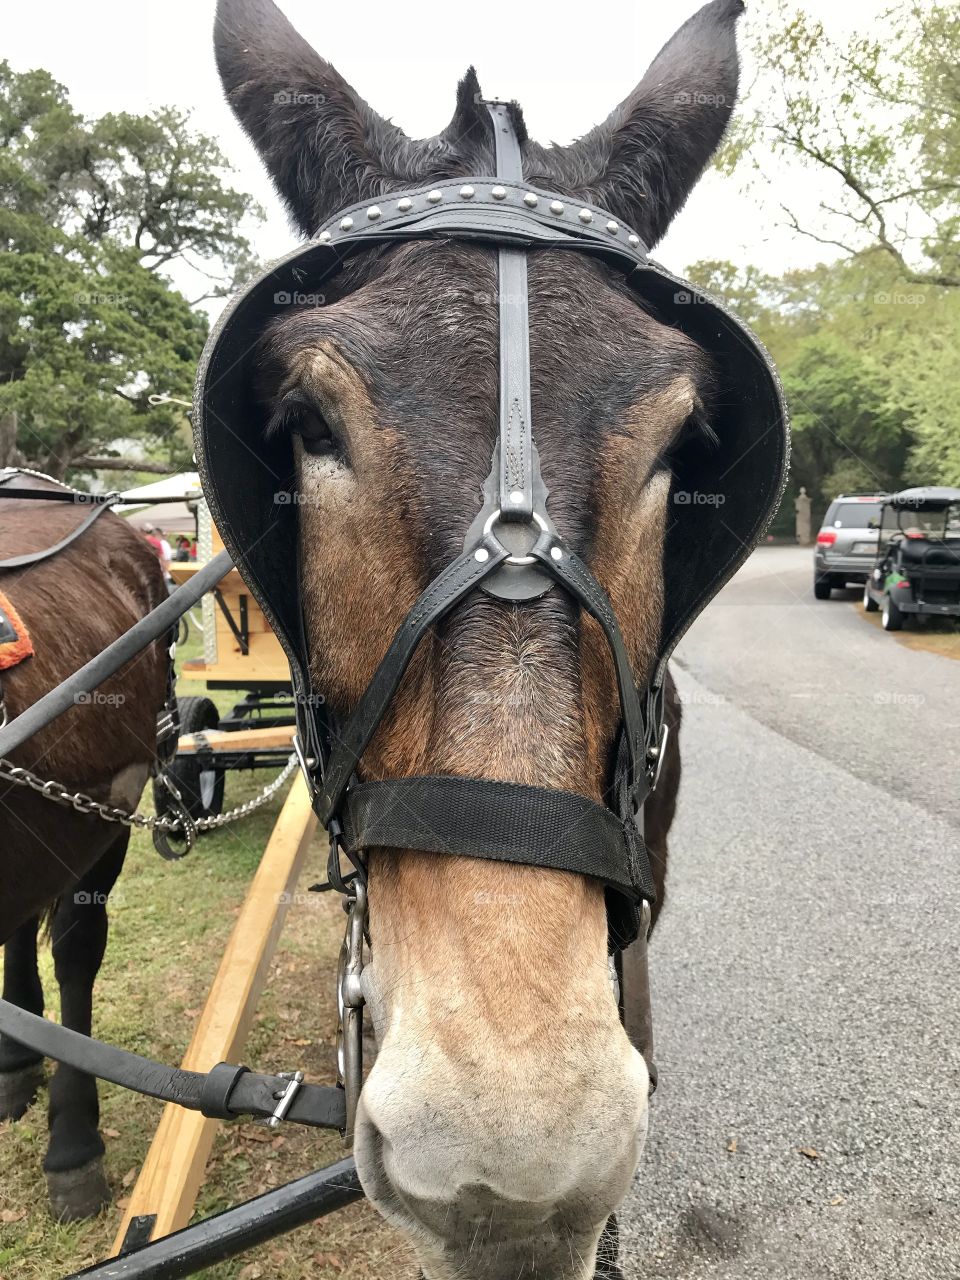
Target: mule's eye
{"x": 299, "y": 415}
{"x": 695, "y": 430}
{"x": 315, "y": 433}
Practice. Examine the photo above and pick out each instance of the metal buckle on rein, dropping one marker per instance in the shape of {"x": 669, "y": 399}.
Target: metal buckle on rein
{"x": 655, "y": 757}
{"x": 285, "y": 1101}
{"x": 305, "y": 762}
{"x": 350, "y": 1005}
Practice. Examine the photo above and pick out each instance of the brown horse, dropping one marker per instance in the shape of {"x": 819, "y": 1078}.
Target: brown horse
{"x": 503, "y": 1119}
{"x": 53, "y": 859}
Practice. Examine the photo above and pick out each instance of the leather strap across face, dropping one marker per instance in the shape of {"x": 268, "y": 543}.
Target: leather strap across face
{"x": 447, "y": 590}
{"x": 516, "y": 438}
{"x": 502, "y": 822}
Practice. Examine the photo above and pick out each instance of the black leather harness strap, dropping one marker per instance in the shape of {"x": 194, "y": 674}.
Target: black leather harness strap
{"x": 516, "y": 439}
{"x": 502, "y": 821}
{"x": 157, "y": 623}
{"x": 225, "y": 1093}
{"x": 34, "y": 557}
{"x": 455, "y": 582}
{"x": 551, "y": 828}
{"x": 97, "y": 502}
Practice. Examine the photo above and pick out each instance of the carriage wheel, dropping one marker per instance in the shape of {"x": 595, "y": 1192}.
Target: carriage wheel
{"x": 869, "y": 604}
{"x": 201, "y": 788}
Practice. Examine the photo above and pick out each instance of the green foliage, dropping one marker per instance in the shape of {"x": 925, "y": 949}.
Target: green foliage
{"x": 92, "y": 213}
{"x": 876, "y": 118}
{"x": 870, "y": 364}
{"x": 868, "y": 345}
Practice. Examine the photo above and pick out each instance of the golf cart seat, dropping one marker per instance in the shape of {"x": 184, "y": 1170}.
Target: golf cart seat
{"x": 942, "y": 555}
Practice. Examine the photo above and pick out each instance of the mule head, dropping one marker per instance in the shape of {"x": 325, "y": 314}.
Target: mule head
{"x": 503, "y": 1118}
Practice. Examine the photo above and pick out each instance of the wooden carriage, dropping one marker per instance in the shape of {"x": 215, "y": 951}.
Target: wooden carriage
{"x": 240, "y": 652}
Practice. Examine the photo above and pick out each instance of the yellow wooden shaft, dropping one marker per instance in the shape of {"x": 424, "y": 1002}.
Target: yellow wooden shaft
{"x": 238, "y": 739}
{"x": 174, "y": 1168}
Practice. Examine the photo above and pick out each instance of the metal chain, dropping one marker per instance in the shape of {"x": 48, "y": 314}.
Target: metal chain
{"x": 60, "y": 794}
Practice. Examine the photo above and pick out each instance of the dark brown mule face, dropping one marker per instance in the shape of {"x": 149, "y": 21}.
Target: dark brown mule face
{"x": 503, "y": 1118}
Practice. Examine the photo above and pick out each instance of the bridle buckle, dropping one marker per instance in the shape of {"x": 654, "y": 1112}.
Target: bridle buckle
{"x": 350, "y": 1002}
{"x": 656, "y": 755}
{"x": 285, "y": 1101}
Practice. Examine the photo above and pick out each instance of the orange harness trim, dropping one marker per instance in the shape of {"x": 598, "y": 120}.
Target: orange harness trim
{"x": 13, "y": 651}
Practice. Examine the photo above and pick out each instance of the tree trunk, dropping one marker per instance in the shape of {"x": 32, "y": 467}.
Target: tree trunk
{"x": 55, "y": 465}
{"x": 10, "y": 455}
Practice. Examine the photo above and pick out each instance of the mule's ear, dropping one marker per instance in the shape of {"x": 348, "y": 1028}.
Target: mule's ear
{"x": 646, "y": 158}
{"x": 321, "y": 143}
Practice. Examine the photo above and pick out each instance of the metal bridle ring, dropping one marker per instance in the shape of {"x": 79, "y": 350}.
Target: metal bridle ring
{"x": 512, "y": 559}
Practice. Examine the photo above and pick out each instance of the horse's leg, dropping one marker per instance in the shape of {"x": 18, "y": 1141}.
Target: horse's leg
{"x": 74, "y": 1159}
{"x": 21, "y": 1069}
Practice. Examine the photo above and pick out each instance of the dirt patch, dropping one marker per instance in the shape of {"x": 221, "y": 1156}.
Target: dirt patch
{"x": 936, "y": 636}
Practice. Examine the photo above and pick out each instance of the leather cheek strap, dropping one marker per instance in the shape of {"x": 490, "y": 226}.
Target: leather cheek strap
{"x": 571, "y": 572}
{"x": 447, "y": 590}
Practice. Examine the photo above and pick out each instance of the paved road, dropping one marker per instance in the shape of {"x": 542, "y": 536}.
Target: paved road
{"x": 806, "y": 968}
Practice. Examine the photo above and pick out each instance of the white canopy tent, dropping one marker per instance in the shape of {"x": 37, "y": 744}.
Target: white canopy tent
{"x": 170, "y": 517}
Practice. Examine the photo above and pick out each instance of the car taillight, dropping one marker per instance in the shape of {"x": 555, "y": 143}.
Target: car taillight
{"x": 904, "y": 583}
{"x": 826, "y": 538}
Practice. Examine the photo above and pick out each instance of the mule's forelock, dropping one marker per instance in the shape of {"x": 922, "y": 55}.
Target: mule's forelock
{"x": 326, "y": 148}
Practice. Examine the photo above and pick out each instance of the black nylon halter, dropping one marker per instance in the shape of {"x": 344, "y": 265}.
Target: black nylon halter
{"x": 479, "y": 817}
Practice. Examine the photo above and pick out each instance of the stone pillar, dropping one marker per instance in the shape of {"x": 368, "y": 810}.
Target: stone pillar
{"x": 801, "y": 505}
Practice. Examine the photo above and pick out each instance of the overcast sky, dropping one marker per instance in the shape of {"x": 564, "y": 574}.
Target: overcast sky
{"x": 568, "y": 66}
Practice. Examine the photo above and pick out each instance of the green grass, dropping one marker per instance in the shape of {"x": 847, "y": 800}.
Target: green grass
{"x": 169, "y": 923}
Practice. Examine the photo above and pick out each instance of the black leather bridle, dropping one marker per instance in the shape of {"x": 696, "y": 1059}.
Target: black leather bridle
{"x": 512, "y": 551}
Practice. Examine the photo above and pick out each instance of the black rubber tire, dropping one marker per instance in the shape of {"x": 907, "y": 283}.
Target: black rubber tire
{"x": 822, "y": 588}
{"x": 869, "y": 604}
{"x": 892, "y": 619}
{"x": 200, "y": 789}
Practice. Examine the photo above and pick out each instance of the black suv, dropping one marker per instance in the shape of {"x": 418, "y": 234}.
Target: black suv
{"x": 847, "y": 542}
